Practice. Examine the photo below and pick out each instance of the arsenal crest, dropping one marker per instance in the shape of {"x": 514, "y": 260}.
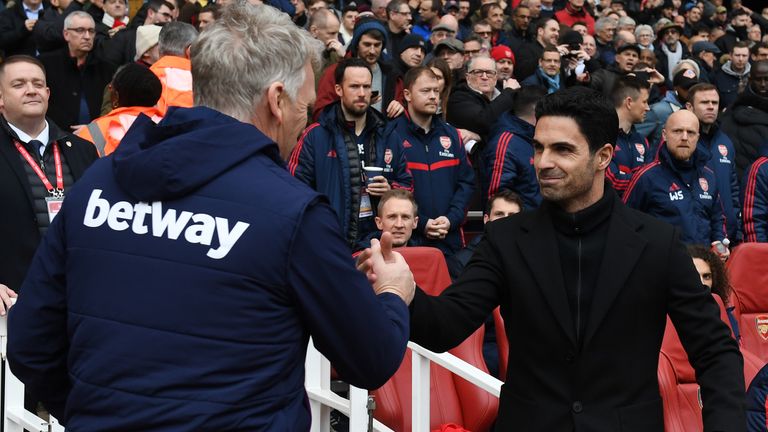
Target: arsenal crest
{"x": 445, "y": 142}
{"x": 703, "y": 183}
{"x": 723, "y": 150}
{"x": 762, "y": 326}
{"x": 388, "y": 156}
{"x": 640, "y": 149}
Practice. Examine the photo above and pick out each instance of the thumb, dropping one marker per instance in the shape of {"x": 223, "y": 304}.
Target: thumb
{"x": 386, "y": 246}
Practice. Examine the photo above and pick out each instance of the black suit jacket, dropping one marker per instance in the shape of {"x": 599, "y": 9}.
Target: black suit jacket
{"x": 606, "y": 381}
{"x": 18, "y": 225}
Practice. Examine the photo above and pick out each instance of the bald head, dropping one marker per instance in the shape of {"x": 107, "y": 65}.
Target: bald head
{"x": 450, "y": 21}
{"x": 758, "y": 78}
{"x": 681, "y": 132}
{"x": 324, "y": 25}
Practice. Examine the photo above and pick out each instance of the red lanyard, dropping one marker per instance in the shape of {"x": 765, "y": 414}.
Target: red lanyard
{"x": 59, "y": 191}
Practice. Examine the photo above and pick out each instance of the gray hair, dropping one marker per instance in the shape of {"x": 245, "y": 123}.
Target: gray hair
{"x": 473, "y": 60}
{"x": 175, "y": 38}
{"x": 245, "y": 51}
{"x": 602, "y": 22}
{"x": 626, "y": 21}
{"x": 642, "y": 28}
{"x": 77, "y": 14}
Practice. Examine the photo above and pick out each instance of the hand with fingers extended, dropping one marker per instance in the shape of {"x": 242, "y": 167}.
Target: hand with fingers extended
{"x": 386, "y": 269}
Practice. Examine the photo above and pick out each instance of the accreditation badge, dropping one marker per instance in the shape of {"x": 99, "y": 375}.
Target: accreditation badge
{"x": 366, "y": 209}
{"x": 53, "y": 205}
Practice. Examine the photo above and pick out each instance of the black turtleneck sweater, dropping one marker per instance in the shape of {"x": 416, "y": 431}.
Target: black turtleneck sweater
{"x": 581, "y": 239}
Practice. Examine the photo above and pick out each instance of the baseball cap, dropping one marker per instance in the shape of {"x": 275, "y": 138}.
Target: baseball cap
{"x": 685, "y": 78}
{"x": 452, "y": 43}
{"x": 450, "y": 4}
{"x": 627, "y": 47}
{"x": 502, "y": 52}
{"x": 722, "y": 9}
{"x": 702, "y": 46}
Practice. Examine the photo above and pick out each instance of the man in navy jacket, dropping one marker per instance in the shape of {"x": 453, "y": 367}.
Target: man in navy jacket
{"x": 332, "y": 153}
{"x": 755, "y": 198}
{"x": 179, "y": 285}
{"x": 442, "y": 176}
{"x": 678, "y": 187}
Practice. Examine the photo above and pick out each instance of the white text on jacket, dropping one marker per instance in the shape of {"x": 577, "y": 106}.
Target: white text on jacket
{"x": 168, "y": 224}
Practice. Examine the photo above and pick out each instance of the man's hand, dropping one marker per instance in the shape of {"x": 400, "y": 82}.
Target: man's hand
{"x": 392, "y": 272}
{"x": 437, "y": 228}
{"x": 113, "y": 31}
{"x": 511, "y": 83}
{"x": 394, "y": 109}
{"x": 6, "y": 294}
{"x": 30, "y": 24}
{"x": 467, "y": 135}
{"x": 379, "y": 186}
{"x": 335, "y": 45}
{"x": 655, "y": 77}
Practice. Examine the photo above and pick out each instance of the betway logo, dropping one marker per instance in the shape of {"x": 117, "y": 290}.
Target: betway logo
{"x": 123, "y": 215}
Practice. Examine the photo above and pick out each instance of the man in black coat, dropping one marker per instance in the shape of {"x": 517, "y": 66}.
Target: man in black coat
{"x": 77, "y": 78}
{"x": 16, "y": 25}
{"x": 26, "y": 214}
{"x": 585, "y": 285}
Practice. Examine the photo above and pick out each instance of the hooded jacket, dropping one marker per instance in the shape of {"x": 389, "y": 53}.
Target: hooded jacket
{"x": 661, "y": 189}
{"x": 746, "y": 123}
{"x": 508, "y": 161}
{"x": 179, "y": 285}
{"x": 730, "y": 83}
{"x": 321, "y": 160}
{"x": 755, "y": 199}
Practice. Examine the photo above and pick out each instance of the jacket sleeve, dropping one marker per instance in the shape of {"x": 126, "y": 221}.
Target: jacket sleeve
{"x": 362, "y": 334}
{"x": 301, "y": 164}
{"x": 618, "y": 176}
{"x": 49, "y": 30}
{"x": 465, "y": 112}
{"x": 755, "y": 212}
{"x": 465, "y": 187}
{"x": 717, "y": 220}
{"x": 439, "y": 323}
{"x": 736, "y": 204}
{"x": 326, "y": 93}
{"x": 402, "y": 177}
{"x": 11, "y": 36}
{"x": 38, "y": 343}
{"x": 634, "y": 196}
{"x": 500, "y": 163}
{"x": 712, "y": 351}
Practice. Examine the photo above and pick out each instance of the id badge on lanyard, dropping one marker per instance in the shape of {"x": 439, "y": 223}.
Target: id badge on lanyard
{"x": 56, "y": 199}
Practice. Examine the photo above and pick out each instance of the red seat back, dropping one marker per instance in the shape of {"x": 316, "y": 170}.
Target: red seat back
{"x": 452, "y": 399}
{"x": 502, "y": 343}
{"x": 748, "y": 272}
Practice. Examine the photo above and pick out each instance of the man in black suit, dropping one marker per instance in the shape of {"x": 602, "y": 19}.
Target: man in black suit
{"x": 30, "y": 146}
{"x": 585, "y": 285}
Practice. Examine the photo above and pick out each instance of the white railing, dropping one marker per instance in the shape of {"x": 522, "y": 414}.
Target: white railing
{"x": 318, "y": 385}
{"x": 323, "y": 400}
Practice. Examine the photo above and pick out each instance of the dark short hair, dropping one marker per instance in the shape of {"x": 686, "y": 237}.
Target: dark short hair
{"x": 720, "y": 284}
{"x": 437, "y": 6}
{"x": 541, "y": 23}
{"x": 526, "y": 99}
{"x": 347, "y": 63}
{"x": 394, "y": 6}
{"x": 485, "y": 9}
{"x": 700, "y": 87}
{"x": 507, "y": 195}
{"x": 403, "y": 194}
{"x": 627, "y": 86}
{"x": 136, "y": 85}
{"x": 549, "y": 48}
{"x": 593, "y": 113}
{"x": 21, "y": 59}
{"x": 740, "y": 44}
{"x": 738, "y": 12}
{"x": 756, "y": 47}
{"x": 414, "y": 73}
{"x": 213, "y": 8}
{"x": 155, "y": 5}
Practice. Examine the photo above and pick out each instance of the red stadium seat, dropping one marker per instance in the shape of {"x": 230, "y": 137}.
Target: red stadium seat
{"x": 677, "y": 380}
{"x": 748, "y": 272}
{"x": 452, "y": 399}
{"x": 502, "y": 342}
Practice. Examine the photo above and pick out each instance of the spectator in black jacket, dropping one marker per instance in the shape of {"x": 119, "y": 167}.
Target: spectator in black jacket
{"x": 16, "y": 25}
{"x": 75, "y": 76}
{"x": 476, "y": 104}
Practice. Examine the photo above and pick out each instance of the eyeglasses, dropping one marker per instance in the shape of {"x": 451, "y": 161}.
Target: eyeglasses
{"x": 480, "y": 72}
{"x": 82, "y": 30}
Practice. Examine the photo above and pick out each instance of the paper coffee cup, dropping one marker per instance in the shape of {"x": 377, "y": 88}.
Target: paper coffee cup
{"x": 371, "y": 172}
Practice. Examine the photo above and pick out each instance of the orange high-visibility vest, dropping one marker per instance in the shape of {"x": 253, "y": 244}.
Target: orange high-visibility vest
{"x": 175, "y": 74}
{"x": 107, "y": 131}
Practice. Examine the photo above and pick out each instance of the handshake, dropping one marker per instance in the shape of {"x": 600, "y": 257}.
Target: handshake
{"x": 387, "y": 270}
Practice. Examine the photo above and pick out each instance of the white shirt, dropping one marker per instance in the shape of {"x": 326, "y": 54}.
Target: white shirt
{"x": 42, "y": 137}
{"x": 33, "y": 14}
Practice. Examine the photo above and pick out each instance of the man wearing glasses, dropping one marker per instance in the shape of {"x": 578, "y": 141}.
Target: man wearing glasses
{"x": 399, "y": 20}
{"x": 78, "y": 85}
{"x": 476, "y": 104}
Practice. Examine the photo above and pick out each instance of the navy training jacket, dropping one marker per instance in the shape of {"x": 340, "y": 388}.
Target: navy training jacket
{"x": 630, "y": 153}
{"x": 722, "y": 160}
{"x": 659, "y": 190}
{"x": 755, "y": 198}
{"x": 508, "y": 160}
{"x": 443, "y": 179}
{"x": 179, "y": 285}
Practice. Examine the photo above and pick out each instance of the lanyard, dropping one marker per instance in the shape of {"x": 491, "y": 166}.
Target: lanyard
{"x": 58, "y": 192}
